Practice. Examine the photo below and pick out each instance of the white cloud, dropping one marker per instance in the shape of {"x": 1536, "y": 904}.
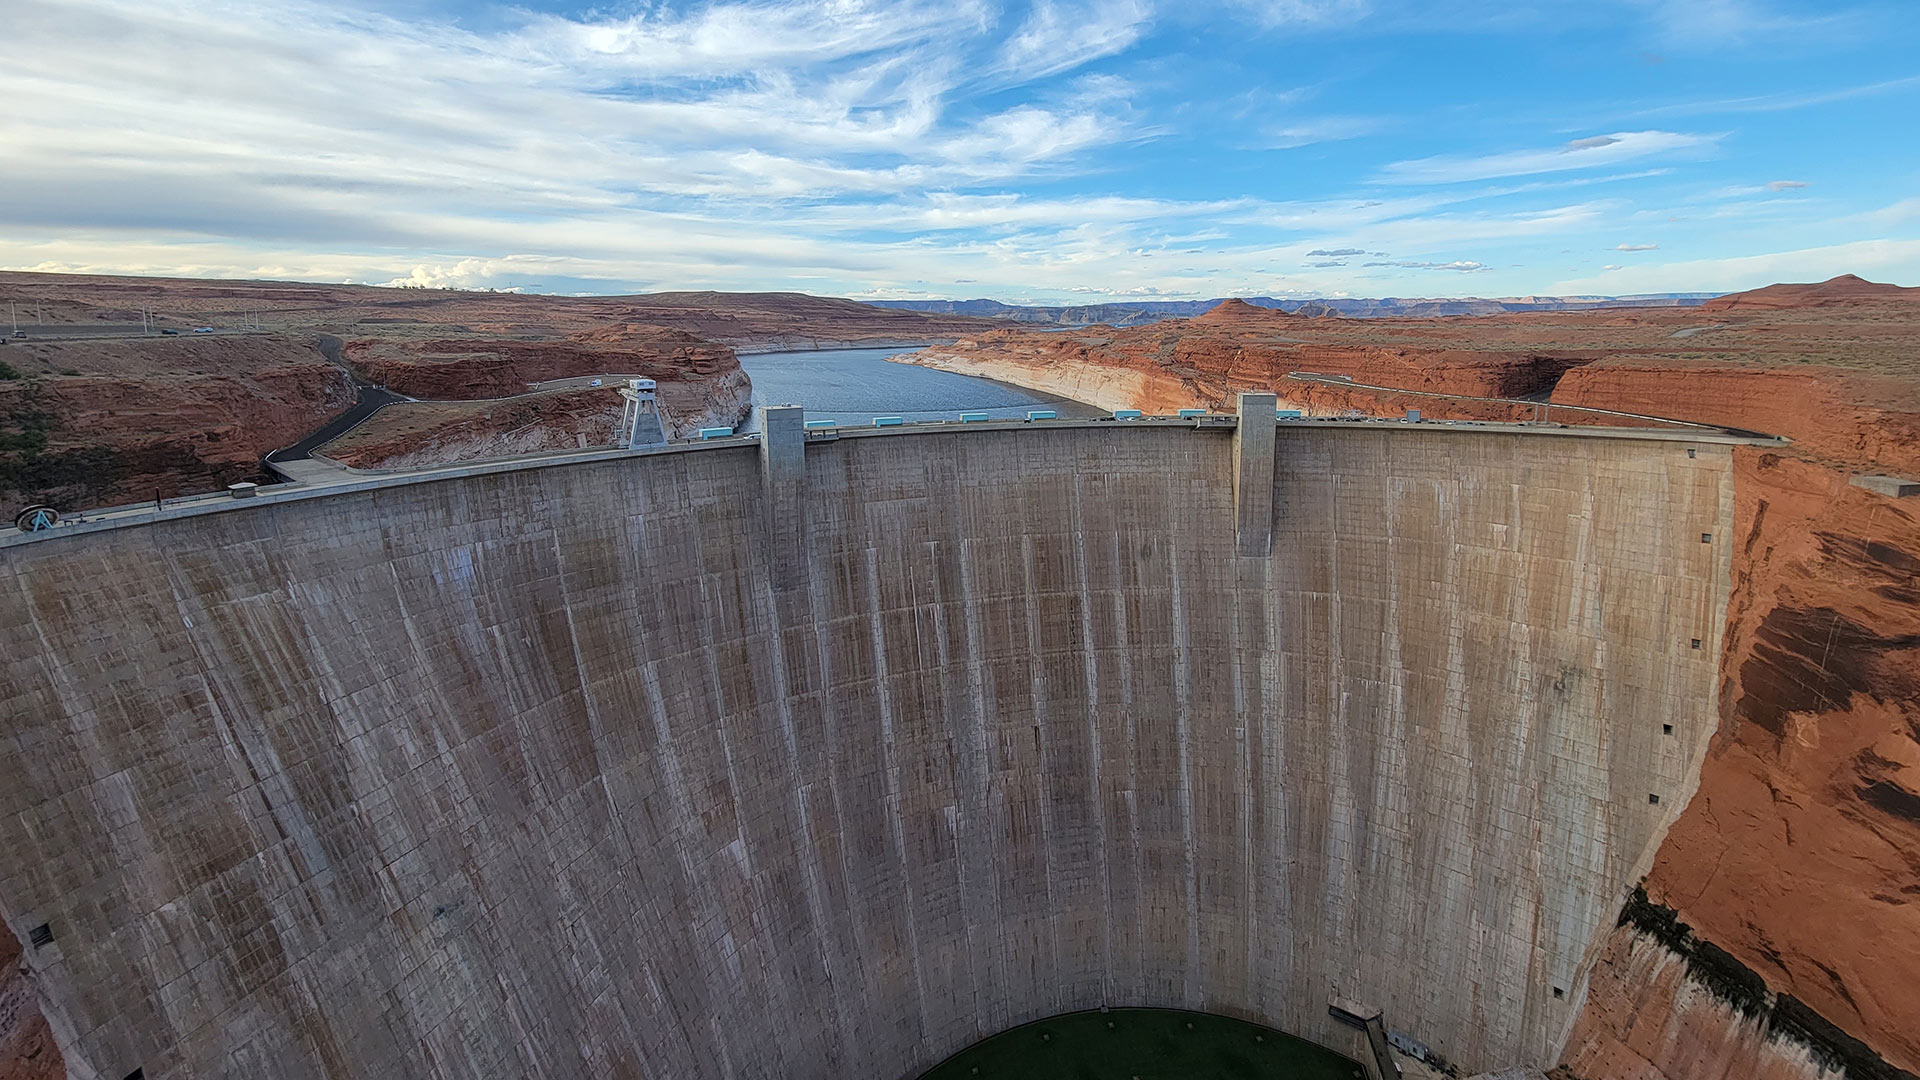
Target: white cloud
{"x": 1785, "y": 185}
{"x": 1297, "y": 133}
{"x": 1058, "y": 37}
{"x": 1636, "y": 247}
{"x": 1591, "y": 152}
{"x": 834, "y": 145}
{"x": 1462, "y": 265}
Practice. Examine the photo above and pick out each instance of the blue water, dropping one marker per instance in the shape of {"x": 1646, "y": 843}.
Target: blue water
{"x": 852, "y": 386}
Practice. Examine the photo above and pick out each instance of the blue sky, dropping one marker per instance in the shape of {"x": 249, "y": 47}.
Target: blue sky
{"x": 1031, "y": 152}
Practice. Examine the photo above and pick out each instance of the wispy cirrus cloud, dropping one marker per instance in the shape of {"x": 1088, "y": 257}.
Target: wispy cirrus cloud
{"x": 1585, "y": 153}
{"x": 1765, "y": 103}
{"x": 1465, "y": 266}
{"x": 1057, "y": 37}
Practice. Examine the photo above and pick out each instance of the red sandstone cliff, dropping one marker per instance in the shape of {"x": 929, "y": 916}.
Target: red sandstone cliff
{"x": 1800, "y": 853}
{"x": 413, "y": 434}
{"x": 91, "y": 423}
{"x": 1206, "y": 360}
{"x": 102, "y": 414}
{"x": 464, "y": 369}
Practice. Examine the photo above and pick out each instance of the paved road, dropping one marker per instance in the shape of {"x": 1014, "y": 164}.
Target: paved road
{"x": 111, "y": 332}
{"x": 371, "y": 400}
{"x": 583, "y": 381}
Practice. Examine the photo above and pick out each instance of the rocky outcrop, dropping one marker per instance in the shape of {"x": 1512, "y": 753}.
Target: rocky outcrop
{"x": 1847, "y": 417}
{"x": 467, "y": 369}
{"x": 124, "y": 421}
{"x": 1650, "y": 1016}
{"x": 1846, "y": 289}
{"x": 1207, "y": 360}
{"x": 1800, "y": 853}
{"x": 415, "y": 434}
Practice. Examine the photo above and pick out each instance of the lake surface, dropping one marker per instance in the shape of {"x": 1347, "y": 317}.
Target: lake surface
{"x": 852, "y": 386}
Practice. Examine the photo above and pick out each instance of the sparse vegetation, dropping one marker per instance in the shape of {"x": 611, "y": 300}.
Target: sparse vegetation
{"x": 29, "y": 470}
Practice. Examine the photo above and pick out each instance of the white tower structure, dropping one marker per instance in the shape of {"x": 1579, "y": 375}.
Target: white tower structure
{"x": 640, "y": 422}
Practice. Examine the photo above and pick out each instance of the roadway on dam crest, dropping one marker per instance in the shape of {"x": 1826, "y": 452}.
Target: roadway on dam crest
{"x": 537, "y": 769}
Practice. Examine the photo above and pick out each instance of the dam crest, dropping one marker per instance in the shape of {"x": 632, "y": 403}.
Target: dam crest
{"x": 813, "y": 756}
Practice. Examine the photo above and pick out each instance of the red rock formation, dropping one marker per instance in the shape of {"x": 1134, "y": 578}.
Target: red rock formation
{"x": 1868, "y": 421}
{"x": 1646, "y": 1019}
{"x": 1843, "y": 290}
{"x": 747, "y": 320}
{"x": 413, "y": 434}
{"x": 1205, "y": 361}
{"x": 467, "y": 369}
{"x": 1800, "y": 853}
{"x": 408, "y": 434}
{"x": 172, "y": 415}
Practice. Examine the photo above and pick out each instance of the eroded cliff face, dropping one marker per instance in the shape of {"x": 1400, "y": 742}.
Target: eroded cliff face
{"x": 414, "y": 434}
{"x": 1206, "y": 361}
{"x": 93, "y": 424}
{"x": 466, "y": 369}
{"x": 1845, "y": 417}
{"x": 1647, "y": 1017}
{"x": 1800, "y": 854}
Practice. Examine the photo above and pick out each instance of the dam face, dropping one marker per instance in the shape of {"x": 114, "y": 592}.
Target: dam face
{"x": 587, "y": 771}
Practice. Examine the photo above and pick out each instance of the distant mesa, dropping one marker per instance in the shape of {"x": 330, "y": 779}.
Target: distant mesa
{"x": 1845, "y": 289}
{"x": 1235, "y": 311}
{"x": 1142, "y": 312}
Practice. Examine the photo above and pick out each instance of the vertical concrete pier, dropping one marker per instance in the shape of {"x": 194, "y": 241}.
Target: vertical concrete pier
{"x": 783, "y": 478}
{"x": 640, "y": 421}
{"x": 1253, "y": 475}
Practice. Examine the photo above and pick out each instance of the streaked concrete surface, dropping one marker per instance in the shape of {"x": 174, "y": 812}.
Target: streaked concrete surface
{"x": 540, "y": 772}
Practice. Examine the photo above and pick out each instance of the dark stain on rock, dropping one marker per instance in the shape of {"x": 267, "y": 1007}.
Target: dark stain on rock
{"x": 1894, "y": 799}
{"x": 1781, "y": 1016}
{"x": 1892, "y": 556}
{"x": 1814, "y": 660}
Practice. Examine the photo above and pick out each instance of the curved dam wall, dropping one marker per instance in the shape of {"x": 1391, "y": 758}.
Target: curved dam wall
{"x": 588, "y": 770}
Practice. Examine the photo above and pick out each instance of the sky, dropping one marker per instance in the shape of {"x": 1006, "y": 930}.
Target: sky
{"x": 1053, "y": 151}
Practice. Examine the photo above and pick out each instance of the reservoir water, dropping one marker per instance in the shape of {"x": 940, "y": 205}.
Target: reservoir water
{"x": 852, "y": 386}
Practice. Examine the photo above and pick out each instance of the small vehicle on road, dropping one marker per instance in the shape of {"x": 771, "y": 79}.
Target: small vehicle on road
{"x": 170, "y": 333}
{"x": 203, "y": 329}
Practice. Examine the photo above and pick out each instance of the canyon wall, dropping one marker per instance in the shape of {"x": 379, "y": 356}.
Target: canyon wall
{"x": 541, "y": 773}
{"x": 418, "y": 434}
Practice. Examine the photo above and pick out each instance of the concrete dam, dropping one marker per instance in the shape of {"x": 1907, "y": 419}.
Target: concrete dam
{"x": 826, "y": 756}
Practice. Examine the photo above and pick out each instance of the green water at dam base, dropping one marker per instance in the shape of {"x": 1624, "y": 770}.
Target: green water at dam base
{"x": 1144, "y": 1044}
